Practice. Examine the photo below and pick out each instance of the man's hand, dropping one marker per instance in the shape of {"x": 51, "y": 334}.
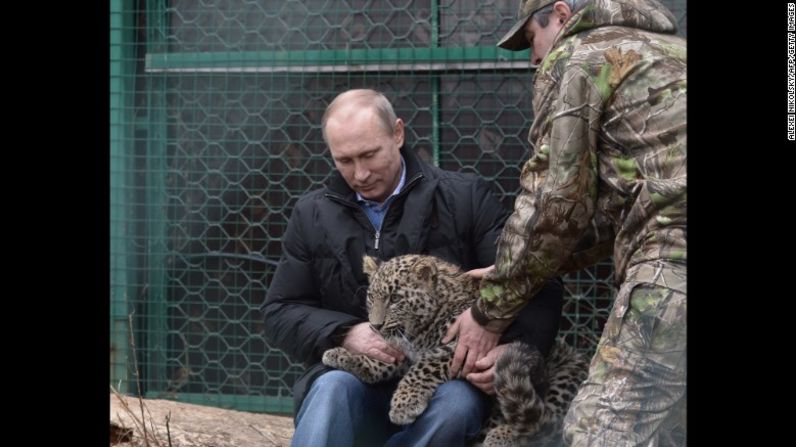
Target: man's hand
{"x": 474, "y": 343}
{"x": 363, "y": 339}
{"x": 480, "y": 273}
{"x": 484, "y": 379}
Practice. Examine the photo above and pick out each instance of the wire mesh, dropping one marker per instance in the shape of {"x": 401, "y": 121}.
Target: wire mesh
{"x": 215, "y": 112}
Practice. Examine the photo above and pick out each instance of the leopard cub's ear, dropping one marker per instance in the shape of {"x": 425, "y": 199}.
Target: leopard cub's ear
{"x": 425, "y": 269}
{"x": 370, "y": 265}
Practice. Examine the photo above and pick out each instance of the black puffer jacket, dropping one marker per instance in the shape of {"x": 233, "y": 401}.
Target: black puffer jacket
{"x": 318, "y": 291}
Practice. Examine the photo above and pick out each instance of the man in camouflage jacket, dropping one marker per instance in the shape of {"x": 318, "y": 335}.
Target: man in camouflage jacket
{"x": 607, "y": 176}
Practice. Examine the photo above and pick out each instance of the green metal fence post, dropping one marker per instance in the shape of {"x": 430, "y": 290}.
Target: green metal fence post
{"x": 156, "y": 305}
{"x": 121, "y": 88}
{"x": 435, "y": 85}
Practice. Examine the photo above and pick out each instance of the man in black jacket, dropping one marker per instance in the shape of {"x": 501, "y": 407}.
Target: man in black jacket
{"x": 385, "y": 202}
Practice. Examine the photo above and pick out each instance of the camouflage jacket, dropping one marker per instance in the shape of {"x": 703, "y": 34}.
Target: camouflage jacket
{"x": 607, "y": 174}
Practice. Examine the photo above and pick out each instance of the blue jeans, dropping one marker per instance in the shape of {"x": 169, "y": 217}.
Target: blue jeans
{"x": 341, "y": 410}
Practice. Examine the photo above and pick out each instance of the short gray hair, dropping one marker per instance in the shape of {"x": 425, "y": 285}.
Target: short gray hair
{"x": 364, "y": 98}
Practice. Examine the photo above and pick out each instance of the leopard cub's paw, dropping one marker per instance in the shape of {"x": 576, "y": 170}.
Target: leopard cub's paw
{"x": 404, "y": 410}
{"x": 335, "y": 357}
{"x": 502, "y": 436}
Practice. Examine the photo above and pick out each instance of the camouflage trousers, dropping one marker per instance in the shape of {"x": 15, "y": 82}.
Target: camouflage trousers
{"x": 635, "y": 394}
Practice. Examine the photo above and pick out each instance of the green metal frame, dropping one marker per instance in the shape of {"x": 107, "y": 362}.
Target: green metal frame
{"x": 257, "y": 404}
{"x": 351, "y": 60}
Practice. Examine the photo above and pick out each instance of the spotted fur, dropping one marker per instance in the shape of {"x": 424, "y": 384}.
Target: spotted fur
{"x": 412, "y": 300}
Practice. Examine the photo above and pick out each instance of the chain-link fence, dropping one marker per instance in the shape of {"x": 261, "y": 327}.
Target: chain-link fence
{"x": 215, "y": 112}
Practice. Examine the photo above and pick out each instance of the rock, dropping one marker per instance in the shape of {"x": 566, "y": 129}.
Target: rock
{"x": 194, "y": 425}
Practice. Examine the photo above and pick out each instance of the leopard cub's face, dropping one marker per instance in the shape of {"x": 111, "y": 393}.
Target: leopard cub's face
{"x": 398, "y": 295}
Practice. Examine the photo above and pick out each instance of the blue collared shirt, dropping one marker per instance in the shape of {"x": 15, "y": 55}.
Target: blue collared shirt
{"x": 375, "y": 210}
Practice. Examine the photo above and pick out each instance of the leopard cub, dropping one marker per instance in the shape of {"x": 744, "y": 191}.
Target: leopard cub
{"x": 412, "y": 300}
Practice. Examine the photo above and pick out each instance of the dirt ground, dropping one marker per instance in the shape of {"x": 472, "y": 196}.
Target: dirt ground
{"x": 194, "y": 425}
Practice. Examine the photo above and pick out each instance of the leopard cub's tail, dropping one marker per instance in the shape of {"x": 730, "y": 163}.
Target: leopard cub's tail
{"x": 534, "y": 393}
{"x": 566, "y": 370}
{"x": 520, "y": 384}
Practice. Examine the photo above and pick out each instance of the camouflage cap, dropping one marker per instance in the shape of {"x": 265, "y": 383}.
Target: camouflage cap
{"x": 515, "y": 40}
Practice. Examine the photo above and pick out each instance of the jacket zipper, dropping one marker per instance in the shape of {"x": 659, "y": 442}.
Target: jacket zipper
{"x": 377, "y": 234}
